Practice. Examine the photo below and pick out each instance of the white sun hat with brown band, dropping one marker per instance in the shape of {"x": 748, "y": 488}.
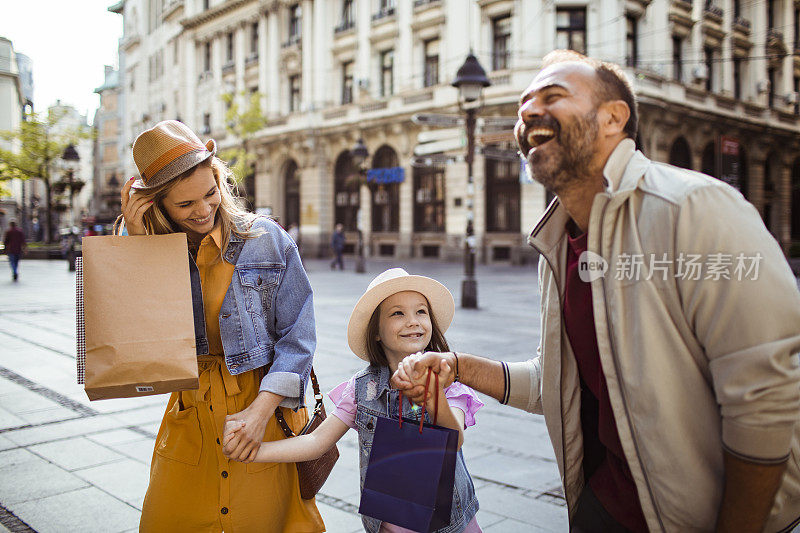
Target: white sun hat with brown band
{"x": 390, "y": 282}
{"x": 166, "y": 151}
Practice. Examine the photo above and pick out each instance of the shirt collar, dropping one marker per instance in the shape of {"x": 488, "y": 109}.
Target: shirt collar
{"x": 215, "y": 237}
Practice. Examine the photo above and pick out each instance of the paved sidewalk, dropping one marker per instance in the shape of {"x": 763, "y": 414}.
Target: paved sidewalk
{"x": 67, "y": 464}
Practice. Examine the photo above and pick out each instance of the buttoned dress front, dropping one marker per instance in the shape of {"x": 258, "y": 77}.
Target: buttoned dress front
{"x": 193, "y": 486}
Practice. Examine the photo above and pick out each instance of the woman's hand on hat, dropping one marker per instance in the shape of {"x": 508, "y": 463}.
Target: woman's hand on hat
{"x": 133, "y": 208}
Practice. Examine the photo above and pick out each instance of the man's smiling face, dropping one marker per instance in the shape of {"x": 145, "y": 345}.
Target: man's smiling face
{"x": 557, "y": 126}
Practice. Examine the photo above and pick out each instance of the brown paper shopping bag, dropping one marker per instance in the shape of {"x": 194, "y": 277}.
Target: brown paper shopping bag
{"x": 138, "y": 322}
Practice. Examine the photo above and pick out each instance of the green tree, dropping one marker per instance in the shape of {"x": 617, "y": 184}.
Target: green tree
{"x": 41, "y": 143}
{"x": 243, "y": 122}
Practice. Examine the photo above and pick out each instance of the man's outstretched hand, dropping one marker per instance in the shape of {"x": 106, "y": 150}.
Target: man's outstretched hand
{"x": 412, "y": 371}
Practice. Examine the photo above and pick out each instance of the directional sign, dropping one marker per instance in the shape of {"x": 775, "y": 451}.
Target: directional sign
{"x": 439, "y": 135}
{"x": 437, "y": 120}
{"x": 439, "y": 146}
{"x": 497, "y": 122}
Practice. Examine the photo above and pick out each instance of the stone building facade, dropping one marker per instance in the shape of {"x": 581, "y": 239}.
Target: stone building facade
{"x": 109, "y": 150}
{"x": 718, "y": 84}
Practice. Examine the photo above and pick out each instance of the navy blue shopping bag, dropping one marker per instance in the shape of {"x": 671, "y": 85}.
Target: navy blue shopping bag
{"x": 411, "y": 473}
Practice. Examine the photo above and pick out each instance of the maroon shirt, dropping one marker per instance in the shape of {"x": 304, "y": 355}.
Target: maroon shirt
{"x": 14, "y": 241}
{"x": 604, "y": 464}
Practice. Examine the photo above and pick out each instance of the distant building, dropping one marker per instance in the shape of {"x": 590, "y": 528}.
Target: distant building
{"x": 71, "y": 120}
{"x": 14, "y": 98}
{"x": 109, "y": 150}
{"x": 718, "y": 84}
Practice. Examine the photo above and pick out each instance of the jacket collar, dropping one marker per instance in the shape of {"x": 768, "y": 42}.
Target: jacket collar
{"x": 621, "y": 173}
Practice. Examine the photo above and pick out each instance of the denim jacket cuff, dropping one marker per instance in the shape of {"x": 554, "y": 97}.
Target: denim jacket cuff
{"x": 286, "y": 384}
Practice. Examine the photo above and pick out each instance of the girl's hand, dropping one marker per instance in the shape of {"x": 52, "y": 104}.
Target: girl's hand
{"x": 231, "y": 427}
{"x": 246, "y": 441}
{"x": 133, "y": 209}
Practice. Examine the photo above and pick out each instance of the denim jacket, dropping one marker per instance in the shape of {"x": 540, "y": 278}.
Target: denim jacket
{"x": 267, "y": 316}
{"x": 375, "y": 398}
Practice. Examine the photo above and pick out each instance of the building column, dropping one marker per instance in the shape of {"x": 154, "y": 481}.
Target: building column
{"x": 187, "y": 111}
{"x": 307, "y": 57}
{"x": 784, "y": 205}
{"x": 239, "y": 57}
{"x": 406, "y": 206}
{"x": 755, "y": 178}
{"x": 273, "y": 59}
{"x": 264, "y": 64}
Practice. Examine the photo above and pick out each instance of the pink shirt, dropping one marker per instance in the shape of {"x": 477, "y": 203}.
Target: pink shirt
{"x": 458, "y": 395}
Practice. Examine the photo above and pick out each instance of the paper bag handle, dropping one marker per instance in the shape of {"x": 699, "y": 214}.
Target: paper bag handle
{"x": 424, "y": 403}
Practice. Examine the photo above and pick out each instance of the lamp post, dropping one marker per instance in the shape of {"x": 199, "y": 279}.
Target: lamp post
{"x": 470, "y": 81}
{"x": 70, "y": 165}
{"x": 359, "y": 154}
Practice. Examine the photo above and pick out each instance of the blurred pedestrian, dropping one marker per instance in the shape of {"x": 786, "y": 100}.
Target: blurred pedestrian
{"x": 337, "y": 244}
{"x": 254, "y": 319}
{"x": 15, "y": 246}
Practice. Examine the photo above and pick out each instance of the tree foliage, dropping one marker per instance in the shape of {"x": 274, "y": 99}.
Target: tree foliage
{"x": 37, "y": 145}
{"x": 243, "y": 122}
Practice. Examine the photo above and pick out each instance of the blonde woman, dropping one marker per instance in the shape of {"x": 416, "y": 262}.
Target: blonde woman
{"x": 254, "y": 326}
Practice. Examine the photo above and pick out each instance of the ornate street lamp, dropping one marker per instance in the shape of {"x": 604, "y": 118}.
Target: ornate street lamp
{"x": 359, "y": 155}
{"x": 68, "y": 181}
{"x": 470, "y": 81}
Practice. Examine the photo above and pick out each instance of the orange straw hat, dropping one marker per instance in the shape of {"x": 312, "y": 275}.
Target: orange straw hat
{"x": 390, "y": 282}
{"x": 166, "y": 151}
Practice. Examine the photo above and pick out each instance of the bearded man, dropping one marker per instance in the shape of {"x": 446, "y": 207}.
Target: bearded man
{"x": 670, "y": 386}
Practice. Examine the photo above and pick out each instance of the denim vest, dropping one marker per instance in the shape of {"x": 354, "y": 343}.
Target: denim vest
{"x": 374, "y": 397}
{"x": 267, "y": 316}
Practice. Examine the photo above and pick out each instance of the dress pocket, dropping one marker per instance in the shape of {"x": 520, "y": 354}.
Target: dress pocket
{"x": 182, "y": 439}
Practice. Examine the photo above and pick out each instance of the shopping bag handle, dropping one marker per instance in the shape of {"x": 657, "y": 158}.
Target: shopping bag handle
{"x": 424, "y": 403}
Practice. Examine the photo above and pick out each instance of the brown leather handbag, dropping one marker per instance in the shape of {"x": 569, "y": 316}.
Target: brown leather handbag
{"x": 312, "y": 474}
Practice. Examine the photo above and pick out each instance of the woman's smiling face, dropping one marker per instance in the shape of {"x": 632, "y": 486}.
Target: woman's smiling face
{"x": 192, "y": 204}
{"x": 404, "y": 325}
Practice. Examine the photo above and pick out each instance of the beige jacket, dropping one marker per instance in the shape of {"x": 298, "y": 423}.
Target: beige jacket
{"x": 693, "y": 366}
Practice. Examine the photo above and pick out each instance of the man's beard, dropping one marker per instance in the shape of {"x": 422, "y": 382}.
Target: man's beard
{"x": 559, "y": 171}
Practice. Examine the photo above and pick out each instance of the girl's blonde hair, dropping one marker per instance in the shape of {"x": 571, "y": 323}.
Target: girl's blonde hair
{"x": 375, "y": 352}
{"x": 232, "y": 214}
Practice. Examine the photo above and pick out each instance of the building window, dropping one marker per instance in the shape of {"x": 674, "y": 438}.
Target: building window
{"x": 737, "y": 9}
{"x": 346, "y": 194}
{"x": 708, "y": 57}
{"x": 797, "y": 102}
{"x": 429, "y": 199}
{"x": 385, "y": 9}
{"x": 677, "y": 58}
{"x": 771, "y": 18}
{"x": 385, "y": 196}
{"x": 206, "y": 123}
{"x": 502, "y": 195}
{"x": 348, "y": 16}
{"x": 229, "y": 48}
{"x": 387, "y": 73}
{"x": 347, "y": 82}
{"x": 254, "y": 39}
{"x": 796, "y": 30}
{"x": 295, "y": 21}
{"x": 207, "y": 57}
{"x": 431, "y": 63}
{"x": 501, "y": 36}
{"x": 175, "y": 51}
{"x": 631, "y": 41}
{"x": 737, "y": 78}
{"x": 206, "y": 4}
{"x": 294, "y": 93}
{"x": 771, "y": 74}
{"x": 571, "y": 29}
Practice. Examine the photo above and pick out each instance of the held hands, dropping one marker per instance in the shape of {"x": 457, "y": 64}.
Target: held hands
{"x": 244, "y": 432}
{"x": 133, "y": 209}
{"x": 231, "y": 428}
{"x": 412, "y": 371}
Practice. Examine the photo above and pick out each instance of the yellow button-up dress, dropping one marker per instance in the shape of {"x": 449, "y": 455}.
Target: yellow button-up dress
{"x": 193, "y": 486}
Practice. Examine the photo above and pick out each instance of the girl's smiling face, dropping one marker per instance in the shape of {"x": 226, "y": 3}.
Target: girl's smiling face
{"x": 404, "y": 325}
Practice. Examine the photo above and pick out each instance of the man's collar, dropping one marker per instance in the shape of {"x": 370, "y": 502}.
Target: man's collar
{"x": 615, "y": 166}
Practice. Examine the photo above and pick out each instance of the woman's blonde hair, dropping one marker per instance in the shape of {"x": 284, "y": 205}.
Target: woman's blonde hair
{"x": 232, "y": 215}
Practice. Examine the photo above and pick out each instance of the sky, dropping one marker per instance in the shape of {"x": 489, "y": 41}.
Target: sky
{"x": 68, "y": 42}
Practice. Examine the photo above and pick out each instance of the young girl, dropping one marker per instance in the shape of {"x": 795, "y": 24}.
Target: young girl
{"x": 398, "y": 315}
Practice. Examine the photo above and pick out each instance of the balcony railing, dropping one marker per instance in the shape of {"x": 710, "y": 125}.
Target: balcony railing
{"x": 344, "y": 26}
{"x": 383, "y": 13}
{"x": 419, "y": 3}
{"x": 743, "y": 23}
{"x": 292, "y": 41}
{"x": 713, "y": 10}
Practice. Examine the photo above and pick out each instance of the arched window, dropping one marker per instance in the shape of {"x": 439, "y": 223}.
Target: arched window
{"x": 680, "y": 155}
{"x": 346, "y": 198}
{"x": 291, "y": 194}
{"x": 385, "y": 193}
{"x": 710, "y": 160}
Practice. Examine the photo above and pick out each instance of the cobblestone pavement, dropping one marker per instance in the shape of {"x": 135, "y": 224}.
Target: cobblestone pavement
{"x": 67, "y": 464}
